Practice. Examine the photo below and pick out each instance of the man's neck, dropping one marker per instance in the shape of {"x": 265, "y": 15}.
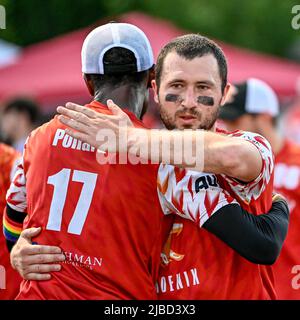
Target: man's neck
{"x": 266, "y": 128}
{"x": 275, "y": 140}
{"x": 270, "y": 133}
{"x": 125, "y": 97}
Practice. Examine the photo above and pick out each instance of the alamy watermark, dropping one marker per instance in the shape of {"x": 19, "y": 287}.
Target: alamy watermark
{"x": 296, "y": 279}
{"x": 154, "y": 147}
{"x": 124, "y": 146}
{"x": 296, "y": 19}
{"x": 2, "y": 278}
{"x": 2, "y": 17}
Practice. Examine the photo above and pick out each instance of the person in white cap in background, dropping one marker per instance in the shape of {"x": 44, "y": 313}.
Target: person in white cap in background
{"x": 254, "y": 106}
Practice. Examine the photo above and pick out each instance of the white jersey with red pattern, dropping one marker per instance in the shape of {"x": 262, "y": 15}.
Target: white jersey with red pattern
{"x": 195, "y": 263}
{"x": 16, "y": 195}
{"x": 255, "y": 196}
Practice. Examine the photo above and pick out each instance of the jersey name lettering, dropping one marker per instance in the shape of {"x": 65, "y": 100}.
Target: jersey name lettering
{"x": 66, "y": 141}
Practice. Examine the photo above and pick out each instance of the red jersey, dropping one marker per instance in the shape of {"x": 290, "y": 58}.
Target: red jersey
{"x": 9, "y": 278}
{"x": 106, "y": 218}
{"x": 195, "y": 263}
{"x": 287, "y": 182}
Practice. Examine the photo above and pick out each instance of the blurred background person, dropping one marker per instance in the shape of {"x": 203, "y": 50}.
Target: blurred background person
{"x": 291, "y": 123}
{"x": 8, "y": 164}
{"x": 19, "y": 118}
{"x": 253, "y": 106}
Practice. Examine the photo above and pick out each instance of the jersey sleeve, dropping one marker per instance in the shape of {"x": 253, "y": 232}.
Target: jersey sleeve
{"x": 189, "y": 194}
{"x": 253, "y": 189}
{"x": 16, "y": 209}
{"x": 14, "y": 167}
{"x": 16, "y": 194}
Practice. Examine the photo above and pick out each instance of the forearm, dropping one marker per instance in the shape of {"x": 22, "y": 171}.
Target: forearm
{"x": 258, "y": 239}
{"x": 198, "y": 150}
{"x": 169, "y": 147}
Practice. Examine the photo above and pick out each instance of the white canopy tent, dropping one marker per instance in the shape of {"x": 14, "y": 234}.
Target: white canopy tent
{"x": 9, "y": 53}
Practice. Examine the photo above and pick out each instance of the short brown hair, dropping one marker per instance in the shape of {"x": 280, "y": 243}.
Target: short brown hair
{"x": 191, "y": 46}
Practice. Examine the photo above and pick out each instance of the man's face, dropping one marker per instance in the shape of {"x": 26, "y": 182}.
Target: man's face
{"x": 190, "y": 92}
{"x": 15, "y": 124}
{"x": 10, "y": 123}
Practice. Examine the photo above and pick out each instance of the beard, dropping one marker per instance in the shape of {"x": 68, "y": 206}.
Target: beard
{"x": 204, "y": 123}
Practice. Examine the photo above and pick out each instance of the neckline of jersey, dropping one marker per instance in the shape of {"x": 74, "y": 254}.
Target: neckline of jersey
{"x": 99, "y": 105}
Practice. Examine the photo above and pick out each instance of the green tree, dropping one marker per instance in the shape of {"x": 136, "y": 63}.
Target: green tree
{"x": 263, "y": 25}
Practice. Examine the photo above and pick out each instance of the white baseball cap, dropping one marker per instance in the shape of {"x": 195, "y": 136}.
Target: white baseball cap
{"x": 251, "y": 97}
{"x": 112, "y": 35}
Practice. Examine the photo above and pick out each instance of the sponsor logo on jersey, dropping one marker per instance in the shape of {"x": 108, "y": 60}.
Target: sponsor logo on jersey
{"x": 82, "y": 261}
{"x": 206, "y": 182}
{"x": 185, "y": 279}
{"x": 168, "y": 254}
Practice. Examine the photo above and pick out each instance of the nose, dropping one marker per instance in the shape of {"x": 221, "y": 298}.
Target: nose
{"x": 189, "y": 100}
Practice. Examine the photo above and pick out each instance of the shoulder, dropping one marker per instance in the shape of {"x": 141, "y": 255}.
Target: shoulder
{"x": 294, "y": 149}
{"x": 7, "y": 155}
{"x": 7, "y": 151}
{"x": 45, "y": 130}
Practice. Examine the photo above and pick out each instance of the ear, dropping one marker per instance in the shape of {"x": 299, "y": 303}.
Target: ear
{"x": 155, "y": 89}
{"x": 225, "y": 93}
{"x": 151, "y": 76}
{"x": 89, "y": 84}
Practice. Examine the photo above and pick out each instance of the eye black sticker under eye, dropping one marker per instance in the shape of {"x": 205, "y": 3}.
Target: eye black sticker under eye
{"x": 173, "y": 98}
{"x": 207, "y": 101}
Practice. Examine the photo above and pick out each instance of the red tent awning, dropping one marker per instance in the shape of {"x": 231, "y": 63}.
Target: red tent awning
{"x": 50, "y": 71}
